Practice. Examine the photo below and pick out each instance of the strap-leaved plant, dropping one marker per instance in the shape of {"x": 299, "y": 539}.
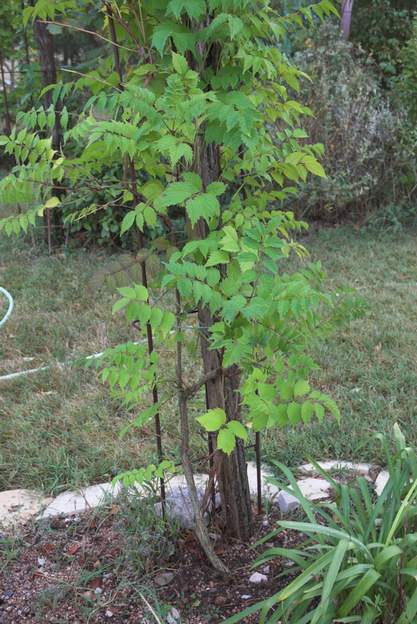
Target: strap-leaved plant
{"x": 197, "y": 107}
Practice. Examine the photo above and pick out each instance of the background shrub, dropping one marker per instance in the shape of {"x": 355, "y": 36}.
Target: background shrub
{"x": 368, "y": 155}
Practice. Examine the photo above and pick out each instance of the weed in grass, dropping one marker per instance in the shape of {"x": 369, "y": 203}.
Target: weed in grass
{"x": 148, "y": 540}
{"x": 10, "y": 549}
{"x": 49, "y": 599}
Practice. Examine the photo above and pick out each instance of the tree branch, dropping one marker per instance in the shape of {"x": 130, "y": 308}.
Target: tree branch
{"x": 191, "y": 390}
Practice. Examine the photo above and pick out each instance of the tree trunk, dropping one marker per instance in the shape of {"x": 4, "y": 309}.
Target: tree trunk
{"x": 45, "y": 43}
{"x": 223, "y": 390}
{"x": 7, "y": 118}
{"x": 346, "y": 20}
{"x": 232, "y": 472}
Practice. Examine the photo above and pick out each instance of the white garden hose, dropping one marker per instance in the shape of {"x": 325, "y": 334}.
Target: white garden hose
{"x": 10, "y": 308}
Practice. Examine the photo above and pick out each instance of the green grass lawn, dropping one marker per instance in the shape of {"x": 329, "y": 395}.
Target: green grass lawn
{"x": 59, "y": 428}
{"x": 370, "y": 368}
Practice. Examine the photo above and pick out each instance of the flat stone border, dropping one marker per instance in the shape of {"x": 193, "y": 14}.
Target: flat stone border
{"x": 338, "y": 465}
{"x": 20, "y": 506}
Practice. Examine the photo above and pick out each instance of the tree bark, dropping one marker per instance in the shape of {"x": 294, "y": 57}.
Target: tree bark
{"x": 223, "y": 390}
{"x": 346, "y": 19}
{"x": 7, "y": 118}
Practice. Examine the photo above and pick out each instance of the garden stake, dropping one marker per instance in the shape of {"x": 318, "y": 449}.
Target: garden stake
{"x": 211, "y": 458}
{"x": 129, "y": 168}
{"x": 258, "y": 470}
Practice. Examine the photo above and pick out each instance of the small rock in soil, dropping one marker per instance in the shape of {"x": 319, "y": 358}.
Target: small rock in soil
{"x": 257, "y": 578}
{"x": 175, "y": 613}
{"x": 173, "y": 616}
{"x": 287, "y": 502}
{"x": 381, "y": 481}
{"x": 164, "y": 578}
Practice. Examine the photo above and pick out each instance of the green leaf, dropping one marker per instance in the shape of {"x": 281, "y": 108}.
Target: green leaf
{"x": 150, "y": 216}
{"x": 216, "y": 188}
{"x": 52, "y": 202}
{"x": 385, "y": 555}
{"x": 314, "y": 166}
{"x": 279, "y": 415}
{"x": 238, "y": 429}
{"x": 64, "y": 118}
{"x": 286, "y": 390}
{"x": 307, "y": 411}
{"x": 128, "y": 221}
{"x": 217, "y": 257}
{"x": 294, "y": 413}
{"x": 161, "y": 35}
{"x": 226, "y": 441}
{"x": 194, "y": 8}
{"x": 259, "y": 421}
{"x": 229, "y": 242}
{"x": 359, "y": 591}
{"x": 301, "y": 388}
{"x": 119, "y": 305}
{"x": 330, "y": 579}
{"x": 179, "y": 63}
{"x": 213, "y": 419}
{"x": 176, "y": 193}
{"x": 203, "y": 206}
{"x": 319, "y": 409}
{"x": 232, "y": 307}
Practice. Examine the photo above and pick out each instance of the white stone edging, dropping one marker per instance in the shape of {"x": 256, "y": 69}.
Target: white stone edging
{"x": 19, "y": 506}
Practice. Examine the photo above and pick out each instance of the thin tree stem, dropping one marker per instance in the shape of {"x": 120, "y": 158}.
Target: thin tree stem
{"x": 200, "y": 526}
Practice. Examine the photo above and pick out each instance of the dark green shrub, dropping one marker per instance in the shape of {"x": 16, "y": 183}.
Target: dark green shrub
{"x": 381, "y": 28}
{"x": 368, "y": 154}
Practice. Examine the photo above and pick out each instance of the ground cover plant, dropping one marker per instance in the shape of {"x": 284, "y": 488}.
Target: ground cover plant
{"x": 358, "y": 561}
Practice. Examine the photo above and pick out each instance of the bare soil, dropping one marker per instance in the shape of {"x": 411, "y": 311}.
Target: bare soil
{"x": 78, "y": 571}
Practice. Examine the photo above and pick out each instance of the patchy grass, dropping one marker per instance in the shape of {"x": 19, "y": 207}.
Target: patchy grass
{"x": 58, "y": 428}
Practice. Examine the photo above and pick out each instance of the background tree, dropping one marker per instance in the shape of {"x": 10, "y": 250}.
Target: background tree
{"x": 9, "y": 21}
{"x": 347, "y": 8}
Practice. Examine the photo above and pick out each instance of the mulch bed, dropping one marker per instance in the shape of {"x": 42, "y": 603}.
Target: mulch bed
{"x": 77, "y": 571}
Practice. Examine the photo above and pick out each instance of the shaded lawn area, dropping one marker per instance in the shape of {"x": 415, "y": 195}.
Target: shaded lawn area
{"x": 58, "y": 429}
